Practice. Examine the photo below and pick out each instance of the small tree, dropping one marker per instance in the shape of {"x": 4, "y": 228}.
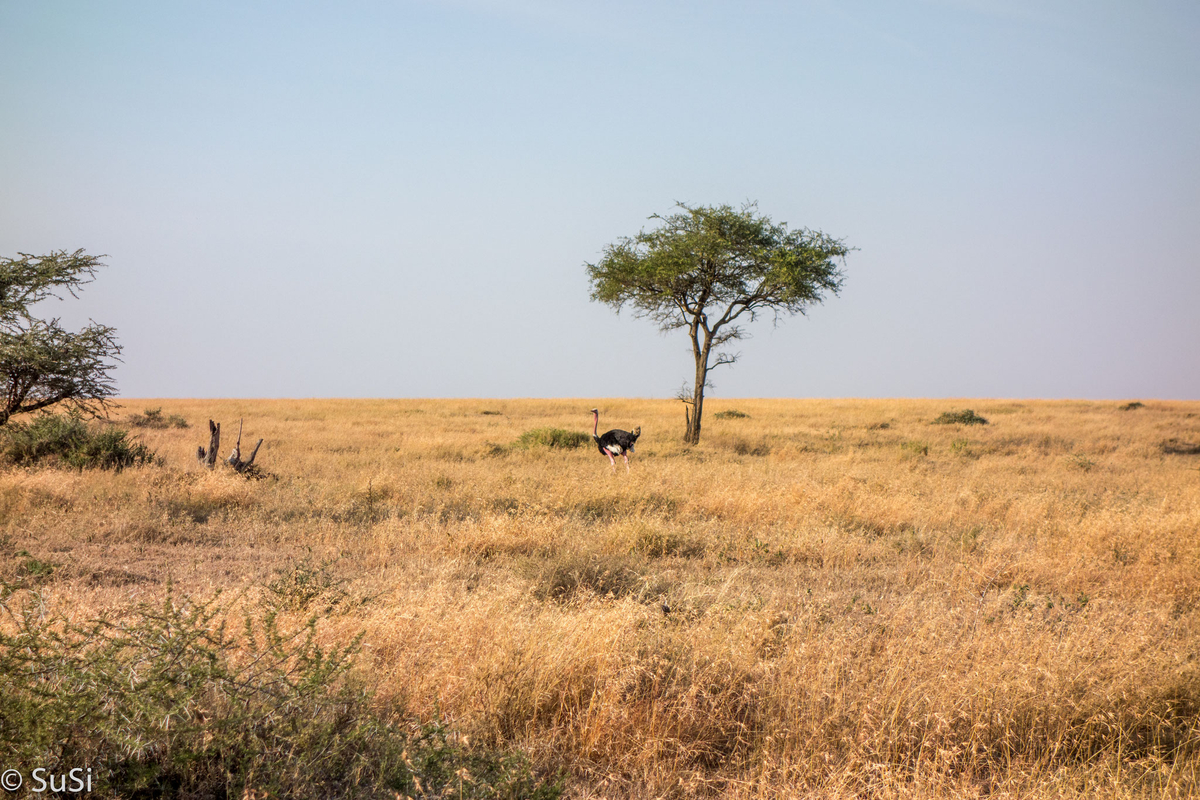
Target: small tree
{"x": 710, "y": 269}
{"x": 40, "y": 363}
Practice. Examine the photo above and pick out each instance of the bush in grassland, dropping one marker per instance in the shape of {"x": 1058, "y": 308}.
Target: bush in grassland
{"x": 69, "y": 440}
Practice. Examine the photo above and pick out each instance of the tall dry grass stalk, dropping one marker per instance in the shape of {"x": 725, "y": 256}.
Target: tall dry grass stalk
{"x": 860, "y": 603}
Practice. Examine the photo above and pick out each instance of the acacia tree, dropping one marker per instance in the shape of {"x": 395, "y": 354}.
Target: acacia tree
{"x": 710, "y": 270}
{"x": 42, "y": 364}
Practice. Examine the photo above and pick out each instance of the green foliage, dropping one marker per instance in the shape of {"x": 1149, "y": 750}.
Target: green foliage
{"x": 68, "y": 440}
{"x": 914, "y": 449}
{"x": 153, "y": 418}
{"x": 40, "y": 363}
{"x": 965, "y": 417}
{"x": 165, "y": 700}
{"x": 552, "y": 438}
{"x": 736, "y": 259}
{"x": 732, "y": 413}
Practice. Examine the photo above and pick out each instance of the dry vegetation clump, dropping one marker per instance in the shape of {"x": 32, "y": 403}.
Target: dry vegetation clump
{"x": 825, "y": 598}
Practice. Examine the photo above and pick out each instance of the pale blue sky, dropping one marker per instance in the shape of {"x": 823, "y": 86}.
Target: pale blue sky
{"x": 396, "y": 199}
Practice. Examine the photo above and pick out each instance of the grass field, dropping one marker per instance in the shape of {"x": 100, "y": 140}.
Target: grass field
{"x": 861, "y": 603}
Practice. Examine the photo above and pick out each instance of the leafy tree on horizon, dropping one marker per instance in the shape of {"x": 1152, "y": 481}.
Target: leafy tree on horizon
{"x": 41, "y": 364}
{"x": 709, "y": 269}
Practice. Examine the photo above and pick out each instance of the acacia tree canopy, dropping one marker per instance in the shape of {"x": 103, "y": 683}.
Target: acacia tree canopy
{"x": 42, "y": 364}
{"x": 712, "y": 269}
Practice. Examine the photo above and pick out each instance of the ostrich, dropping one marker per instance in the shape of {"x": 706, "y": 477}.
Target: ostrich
{"x": 615, "y": 442}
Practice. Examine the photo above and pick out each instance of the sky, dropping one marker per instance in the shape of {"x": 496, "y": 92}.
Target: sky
{"x": 398, "y": 199}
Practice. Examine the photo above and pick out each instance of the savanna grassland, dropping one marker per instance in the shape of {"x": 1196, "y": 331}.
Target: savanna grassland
{"x": 825, "y": 598}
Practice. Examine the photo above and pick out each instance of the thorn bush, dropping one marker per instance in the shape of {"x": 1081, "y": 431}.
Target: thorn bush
{"x": 166, "y": 700}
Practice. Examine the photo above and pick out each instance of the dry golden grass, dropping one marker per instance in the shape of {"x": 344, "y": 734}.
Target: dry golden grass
{"x": 861, "y": 603}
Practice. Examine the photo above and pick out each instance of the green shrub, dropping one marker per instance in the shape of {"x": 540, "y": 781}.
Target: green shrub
{"x": 732, "y": 413}
{"x": 164, "y": 700}
{"x": 967, "y": 417}
{"x": 47, "y": 437}
{"x": 153, "y": 418}
{"x": 553, "y": 438}
{"x": 69, "y": 440}
{"x": 1133, "y": 406}
{"x": 110, "y": 448}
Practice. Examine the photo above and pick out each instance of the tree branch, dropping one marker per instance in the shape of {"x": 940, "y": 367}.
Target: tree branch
{"x": 725, "y": 358}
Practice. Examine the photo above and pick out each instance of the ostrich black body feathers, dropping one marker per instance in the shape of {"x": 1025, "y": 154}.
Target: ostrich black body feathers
{"x": 615, "y": 442}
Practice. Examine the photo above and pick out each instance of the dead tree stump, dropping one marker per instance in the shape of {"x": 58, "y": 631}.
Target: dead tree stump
{"x": 209, "y": 457}
{"x": 235, "y": 458}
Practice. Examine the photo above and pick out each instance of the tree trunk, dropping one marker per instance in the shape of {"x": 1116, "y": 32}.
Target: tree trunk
{"x": 209, "y": 457}
{"x": 693, "y": 429}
